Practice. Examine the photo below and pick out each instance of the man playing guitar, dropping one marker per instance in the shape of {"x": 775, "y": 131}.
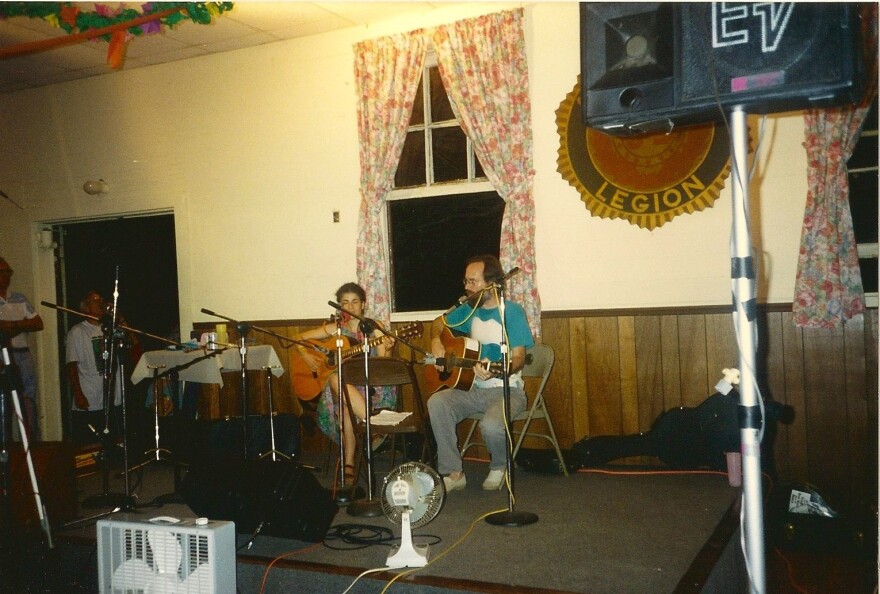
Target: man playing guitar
{"x": 481, "y": 321}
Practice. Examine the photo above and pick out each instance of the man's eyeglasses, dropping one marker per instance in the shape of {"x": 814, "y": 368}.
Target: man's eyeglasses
{"x": 470, "y": 282}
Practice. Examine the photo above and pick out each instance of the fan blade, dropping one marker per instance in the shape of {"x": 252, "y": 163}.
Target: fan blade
{"x": 163, "y": 583}
{"x": 201, "y": 580}
{"x": 166, "y": 551}
{"x": 133, "y": 574}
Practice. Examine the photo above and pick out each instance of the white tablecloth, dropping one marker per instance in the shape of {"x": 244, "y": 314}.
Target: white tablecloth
{"x": 206, "y": 371}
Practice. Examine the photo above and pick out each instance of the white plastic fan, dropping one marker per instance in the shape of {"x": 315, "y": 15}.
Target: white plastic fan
{"x": 412, "y": 495}
{"x": 153, "y": 557}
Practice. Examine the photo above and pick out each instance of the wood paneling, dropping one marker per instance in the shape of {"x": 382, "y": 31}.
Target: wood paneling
{"x": 615, "y": 373}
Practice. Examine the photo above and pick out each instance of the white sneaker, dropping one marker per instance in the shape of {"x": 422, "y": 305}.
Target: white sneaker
{"x": 454, "y": 484}
{"x": 494, "y": 480}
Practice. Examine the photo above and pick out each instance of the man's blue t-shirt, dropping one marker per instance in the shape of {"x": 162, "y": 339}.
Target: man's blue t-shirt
{"x": 484, "y": 326}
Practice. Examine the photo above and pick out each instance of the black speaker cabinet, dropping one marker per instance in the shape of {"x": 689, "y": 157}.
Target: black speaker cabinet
{"x": 651, "y": 66}
{"x": 282, "y": 497}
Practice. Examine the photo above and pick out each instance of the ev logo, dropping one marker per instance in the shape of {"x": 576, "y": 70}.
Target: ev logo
{"x": 730, "y": 23}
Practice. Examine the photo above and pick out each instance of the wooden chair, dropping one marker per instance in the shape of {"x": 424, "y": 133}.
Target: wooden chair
{"x": 539, "y": 364}
{"x": 390, "y": 371}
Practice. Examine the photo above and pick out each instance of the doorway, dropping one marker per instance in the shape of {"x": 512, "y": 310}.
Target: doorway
{"x": 132, "y": 256}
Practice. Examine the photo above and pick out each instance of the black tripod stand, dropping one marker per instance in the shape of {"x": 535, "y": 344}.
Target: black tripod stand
{"x": 114, "y": 343}
{"x": 8, "y": 380}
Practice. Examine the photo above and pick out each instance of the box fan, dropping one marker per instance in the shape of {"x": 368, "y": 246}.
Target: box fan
{"x": 165, "y": 555}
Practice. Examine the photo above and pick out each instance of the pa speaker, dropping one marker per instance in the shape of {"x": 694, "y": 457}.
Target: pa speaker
{"x": 651, "y": 66}
{"x": 281, "y": 498}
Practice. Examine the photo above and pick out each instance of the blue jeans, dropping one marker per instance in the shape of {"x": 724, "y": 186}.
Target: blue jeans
{"x": 447, "y": 408}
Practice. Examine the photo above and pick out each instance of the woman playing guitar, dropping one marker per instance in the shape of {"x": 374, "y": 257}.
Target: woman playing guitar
{"x": 352, "y": 298}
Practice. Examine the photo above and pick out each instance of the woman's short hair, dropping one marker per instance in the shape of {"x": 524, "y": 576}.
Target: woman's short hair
{"x": 351, "y": 288}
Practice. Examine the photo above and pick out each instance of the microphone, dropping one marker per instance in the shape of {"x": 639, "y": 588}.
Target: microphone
{"x": 500, "y": 284}
{"x": 367, "y": 326}
{"x": 208, "y": 311}
{"x": 513, "y": 271}
{"x": 334, "y": 305}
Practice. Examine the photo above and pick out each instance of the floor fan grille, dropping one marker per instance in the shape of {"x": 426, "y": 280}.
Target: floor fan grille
{"x": 165, "y": 555}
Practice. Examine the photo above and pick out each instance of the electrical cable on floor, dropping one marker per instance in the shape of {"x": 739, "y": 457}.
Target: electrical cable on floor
{"x": 367, "y": 572}
{"x": 279, "y": 558}
{"x": 445, "y": 551}
{"x": 375, "y": 535}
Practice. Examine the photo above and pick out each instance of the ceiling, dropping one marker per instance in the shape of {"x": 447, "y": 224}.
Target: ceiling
{"x": 247, "y": 24}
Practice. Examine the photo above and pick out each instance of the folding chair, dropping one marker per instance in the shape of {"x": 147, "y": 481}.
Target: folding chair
{"x": 539, "y": 364}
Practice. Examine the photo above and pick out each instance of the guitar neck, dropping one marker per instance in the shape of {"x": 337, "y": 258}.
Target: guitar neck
{"x": 465, "y": 363}
{"x": 360, "y": 348}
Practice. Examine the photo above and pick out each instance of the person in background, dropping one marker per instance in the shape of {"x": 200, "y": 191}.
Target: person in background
{"x": 84, "y": 346}
{"x": 352, "y": 298}
{"x": 17, "y": 319}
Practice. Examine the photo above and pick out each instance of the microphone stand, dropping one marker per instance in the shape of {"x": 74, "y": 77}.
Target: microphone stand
{"x": 114, "y": 371}
{"x": 344, "y": 491}
{"x": 118, "y": 501}
{"x": 242, "y": 328}
{"x": 510, "y": 517}
{"x": 367, "y": 507}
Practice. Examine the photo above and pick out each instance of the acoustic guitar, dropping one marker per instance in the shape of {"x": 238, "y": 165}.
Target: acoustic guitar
{"x": 307, "y": 384}
{"x": 462, "y": 353}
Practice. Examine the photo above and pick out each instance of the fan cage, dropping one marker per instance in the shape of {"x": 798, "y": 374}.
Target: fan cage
{"x": 430, "y": 502}
{"x": 211, "y": 547}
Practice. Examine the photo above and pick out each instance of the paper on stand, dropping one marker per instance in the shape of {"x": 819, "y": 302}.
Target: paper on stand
{"x": 388, "y": 417}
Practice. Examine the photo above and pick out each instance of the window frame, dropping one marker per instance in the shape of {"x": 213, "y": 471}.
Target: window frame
{"x": 431, "y": 189}
{"x": 866, "y": 250}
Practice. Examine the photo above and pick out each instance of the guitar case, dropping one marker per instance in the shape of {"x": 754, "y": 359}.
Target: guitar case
{"x": 682, "y": 438}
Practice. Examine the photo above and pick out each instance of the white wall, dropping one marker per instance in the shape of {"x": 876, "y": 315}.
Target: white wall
{"x": 254, "y": 149}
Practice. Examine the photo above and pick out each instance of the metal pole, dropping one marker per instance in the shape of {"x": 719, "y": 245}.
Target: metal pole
{"x": 745, "y": 327}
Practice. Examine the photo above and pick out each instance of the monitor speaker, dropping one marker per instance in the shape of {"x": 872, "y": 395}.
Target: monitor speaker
{"x": 278, "y": 498}
{"x": 652, "y": 66}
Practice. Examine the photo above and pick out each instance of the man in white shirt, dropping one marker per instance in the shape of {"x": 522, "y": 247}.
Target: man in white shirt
{"x": 85, "y": 349}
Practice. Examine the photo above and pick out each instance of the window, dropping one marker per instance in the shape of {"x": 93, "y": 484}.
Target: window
{"x": 442, "y": 209}
{"x": 862, "y": 170}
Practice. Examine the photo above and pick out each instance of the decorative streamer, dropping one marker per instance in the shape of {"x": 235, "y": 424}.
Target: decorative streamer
{"x": 114, "y": 26}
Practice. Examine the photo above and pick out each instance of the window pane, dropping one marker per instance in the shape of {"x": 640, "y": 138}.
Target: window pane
{"x": 863, "y": 204}
{"x": 868, "y": 267}
{"x": 430, "y": 239}
{"x": 449, "y": 146}
{"x": 411, "y": 169}
{"x": 418, "y": 112}
{"x": 479, "y": 172}
{"x": 864, "y": 154}
{"x": 441, "y": 109}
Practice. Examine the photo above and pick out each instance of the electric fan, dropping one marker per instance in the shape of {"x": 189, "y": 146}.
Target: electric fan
{"x": 166, "y": 555}
{"x": 413, "y": 495}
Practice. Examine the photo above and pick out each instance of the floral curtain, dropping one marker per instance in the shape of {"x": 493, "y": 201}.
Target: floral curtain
{"x": 828, "y": 286}
{"x": 482, "y": 62}
{"x": 386, "y": 72}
